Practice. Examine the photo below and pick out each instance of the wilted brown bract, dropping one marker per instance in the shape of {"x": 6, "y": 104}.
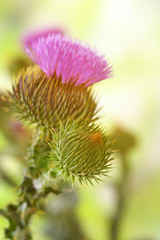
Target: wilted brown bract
{"x": 96, "y": 137}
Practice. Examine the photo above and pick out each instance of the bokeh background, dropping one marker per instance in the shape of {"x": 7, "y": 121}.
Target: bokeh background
{"x": 126, "y": 206}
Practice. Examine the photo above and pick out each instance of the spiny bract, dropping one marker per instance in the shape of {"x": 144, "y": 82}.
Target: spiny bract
{"x": 82, "y": 151}
{"x": 42, "y": 100}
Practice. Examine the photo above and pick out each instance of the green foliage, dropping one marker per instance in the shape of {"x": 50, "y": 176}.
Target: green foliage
{"x": 19, "y": 215}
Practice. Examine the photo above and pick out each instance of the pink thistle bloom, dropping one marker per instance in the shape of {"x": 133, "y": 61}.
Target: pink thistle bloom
{"x": 58, "y": 54}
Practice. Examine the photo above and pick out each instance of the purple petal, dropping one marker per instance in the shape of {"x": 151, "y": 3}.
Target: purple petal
{"x": 56, "y": 53}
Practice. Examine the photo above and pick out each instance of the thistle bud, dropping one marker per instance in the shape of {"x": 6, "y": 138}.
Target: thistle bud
{"x": 80, "y": 151}
{"x": 42, "y": 100}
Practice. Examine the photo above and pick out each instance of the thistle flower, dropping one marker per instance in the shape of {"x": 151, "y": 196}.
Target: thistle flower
{"x": 57, "y": 95}
{"x": 80, "y": 151}
{"x": 68, "y": 143}
{"x": 58, "y": 55}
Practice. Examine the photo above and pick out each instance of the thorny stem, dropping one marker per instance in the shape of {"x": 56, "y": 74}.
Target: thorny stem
{"x": 20, "y": 214}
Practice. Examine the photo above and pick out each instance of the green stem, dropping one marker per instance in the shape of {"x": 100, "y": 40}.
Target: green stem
{"x": 20, "y": 214}
{"x": 122, "y": 199}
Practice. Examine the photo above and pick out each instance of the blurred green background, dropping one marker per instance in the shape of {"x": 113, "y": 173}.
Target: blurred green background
{"x": 127, "y": 32}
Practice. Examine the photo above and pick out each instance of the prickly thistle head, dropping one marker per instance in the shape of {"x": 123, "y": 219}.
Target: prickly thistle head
{"x": 56, "y": 95}
{"x": 46, "y": 100}
{"x": 80, "y": 151}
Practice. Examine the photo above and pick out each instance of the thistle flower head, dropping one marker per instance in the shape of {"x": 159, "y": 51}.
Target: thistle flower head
{"x": 80, "y": 151}
{"x": 58, "y": 55}
{"x": 56, "y": 96}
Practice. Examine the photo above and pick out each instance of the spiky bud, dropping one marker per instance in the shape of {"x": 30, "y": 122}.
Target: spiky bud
{"x": 81, "y": 151}
{"x": 42, "y": 100}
